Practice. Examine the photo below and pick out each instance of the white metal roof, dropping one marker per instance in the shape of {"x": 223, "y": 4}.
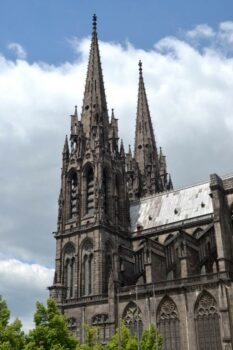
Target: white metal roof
{"x": 171, "y": 207}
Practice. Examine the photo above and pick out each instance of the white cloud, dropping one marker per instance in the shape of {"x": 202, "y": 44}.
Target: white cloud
{"x": 201, "y": 31}
{"x": 22, "y": 284}
{"x": 18, "y": 50}
{"x": 190, "y": 97}
{"x": 226, "y": 32}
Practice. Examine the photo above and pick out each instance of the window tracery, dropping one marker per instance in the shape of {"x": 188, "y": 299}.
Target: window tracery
{"x": 87, "y": 268}
{"x": 133, "y": 319}
{"x": 168, "y": 324}
{"x": 102, "y": 321}
{"x": 69, "y": 266}
{"x": 207, "y": 323}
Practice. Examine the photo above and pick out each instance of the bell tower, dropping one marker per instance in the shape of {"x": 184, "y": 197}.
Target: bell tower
{"x": 93, "y": 202}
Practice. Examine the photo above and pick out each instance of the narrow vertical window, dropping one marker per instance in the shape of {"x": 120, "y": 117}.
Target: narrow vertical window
{"x": 86, "y": 275}
{"x": 90, "y": 192}
{"x": 69, "y": 266}
{"x": 73, "y": 195}
{"x": 87, "y": 268}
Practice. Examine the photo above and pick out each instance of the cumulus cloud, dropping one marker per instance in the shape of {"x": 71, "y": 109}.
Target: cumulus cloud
{"x": 201, "y": 31}
{"x": 18, "y": 50}
{"x": 23, "y": 284}
{"x": 190, "y": 92}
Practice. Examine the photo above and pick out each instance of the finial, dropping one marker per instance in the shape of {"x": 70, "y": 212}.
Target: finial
{"x": 130, "y": 152}
{"x": 140, "y": 67}
{"x": 94, "y": 22}
{"x": 66, "y": 146}
{"x": 75, "y": 110}
{"x": 122, "y": 151}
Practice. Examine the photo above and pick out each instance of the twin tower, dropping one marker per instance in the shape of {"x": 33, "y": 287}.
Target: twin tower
{"x": 98, "y": 177}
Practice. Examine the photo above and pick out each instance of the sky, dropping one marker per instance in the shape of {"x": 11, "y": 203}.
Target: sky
{"x": 187, "y": 53}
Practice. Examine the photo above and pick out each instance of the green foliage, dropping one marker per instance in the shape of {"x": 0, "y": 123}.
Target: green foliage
{"x": 51, "y": 331}
{"x": 122, "y": 339}
{"x": 92, "y": 341}
{"x": 151, "y": 339}
{"x": 11, "y": 334}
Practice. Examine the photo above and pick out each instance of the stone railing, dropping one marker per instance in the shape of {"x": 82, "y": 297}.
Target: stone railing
{"x": 176, "y": 283}
{"x": 86, "y": 299}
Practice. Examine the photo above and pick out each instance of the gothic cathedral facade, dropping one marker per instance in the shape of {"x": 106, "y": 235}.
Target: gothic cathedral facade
{"x": 130, "y": 247}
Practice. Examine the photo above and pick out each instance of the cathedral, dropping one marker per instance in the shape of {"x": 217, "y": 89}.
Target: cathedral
{"x": 129, "y": 246}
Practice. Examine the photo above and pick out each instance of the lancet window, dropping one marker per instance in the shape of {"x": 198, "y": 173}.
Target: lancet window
{"x": 90, "y": 191}
{"x": 87, "y": 268}
{"x": 69, "y": 268}
{"x": 133, "y": 319}
{"x": 73, "y": 195}
{"x": 207, "y": 323}
{"x": 102, "y": 322}
{"x": 168, "y": 324}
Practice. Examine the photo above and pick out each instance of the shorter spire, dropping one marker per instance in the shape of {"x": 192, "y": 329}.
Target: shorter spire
{"x": 122, "y": 150}
{"x": 66, "y": 147}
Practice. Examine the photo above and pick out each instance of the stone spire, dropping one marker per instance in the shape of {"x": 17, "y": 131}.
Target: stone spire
{"x": 94, "y": 109}
{"x": 145, "y": 152}
{"x": 66, "y": 151}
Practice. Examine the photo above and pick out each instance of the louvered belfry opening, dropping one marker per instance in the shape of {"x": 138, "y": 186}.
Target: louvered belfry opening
{"x": 73, "y": 195}
{"x": 90, "y": 192}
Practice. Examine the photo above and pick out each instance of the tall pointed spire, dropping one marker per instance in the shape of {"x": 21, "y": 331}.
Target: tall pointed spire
{"x": 94, "y": 102}
{"x": 145, "y": 147}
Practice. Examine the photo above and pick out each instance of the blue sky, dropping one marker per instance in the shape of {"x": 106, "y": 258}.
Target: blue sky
{"x": 187, "y": 53}
{"x": 44, "y": 26}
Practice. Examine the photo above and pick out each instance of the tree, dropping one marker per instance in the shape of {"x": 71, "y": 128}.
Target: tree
{"x": 123, "y": 339}
{"x": 151, "y": 339}
{"x": 92, "y": 341}
{"x": 11, "y": 335}
{"x": 51, "y": 330}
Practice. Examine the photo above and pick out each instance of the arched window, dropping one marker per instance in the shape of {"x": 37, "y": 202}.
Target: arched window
{"x": 168, "y": 324}
{"x": 87, "y": 268}
{"x": 73, "y": 181}
{"x": 69, "y": 266}
{"x": 207, "y": 323}
{"x": 133, "y": 319}
{"x": 90, "y": 191}
{"x": 102, "y": 322}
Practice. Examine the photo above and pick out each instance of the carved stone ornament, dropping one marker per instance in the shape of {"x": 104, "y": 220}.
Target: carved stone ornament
{"x": 168, "y": 310}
